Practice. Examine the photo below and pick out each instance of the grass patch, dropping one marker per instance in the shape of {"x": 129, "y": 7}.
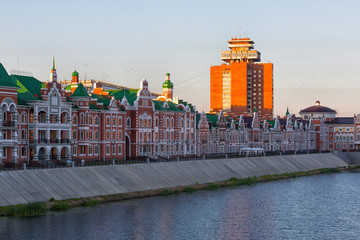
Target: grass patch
{"x": 189, "y": 189}
{"x": 24, "y": 210}
{"x": 166, "y": 192}
{"x": 330, "y": 170}
{"x": 91, "y": 203}
{"x": 243, "y": 181}
{"x": 60, "y": 206}
{"x": 354, "y": 167}
{"x": 212, "y": 187}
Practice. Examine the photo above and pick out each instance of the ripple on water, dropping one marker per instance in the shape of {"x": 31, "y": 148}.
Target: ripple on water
{"x": 314, "y": 207}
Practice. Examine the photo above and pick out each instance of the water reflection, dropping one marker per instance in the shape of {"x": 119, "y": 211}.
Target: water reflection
{"x": 316, "y": 207}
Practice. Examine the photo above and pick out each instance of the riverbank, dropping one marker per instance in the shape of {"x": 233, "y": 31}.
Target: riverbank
{"x": 66, "y": 187}
{"x": 34, "y": 209}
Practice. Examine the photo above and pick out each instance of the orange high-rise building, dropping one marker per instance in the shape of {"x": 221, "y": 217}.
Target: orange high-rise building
{"x": 242, "y": 85}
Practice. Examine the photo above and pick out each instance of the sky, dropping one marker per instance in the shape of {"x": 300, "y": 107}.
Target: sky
{"x": 314, "y": 45}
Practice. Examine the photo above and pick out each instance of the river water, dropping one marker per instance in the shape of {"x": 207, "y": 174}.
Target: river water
{"x": 314, "y": 207}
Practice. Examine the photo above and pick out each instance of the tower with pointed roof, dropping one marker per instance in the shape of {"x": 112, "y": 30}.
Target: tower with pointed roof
{"x": 75, "y": 77}
{"x": 53, "y": 75}
{"x": 168, "y": 87}
{"x": 74, "y": 81}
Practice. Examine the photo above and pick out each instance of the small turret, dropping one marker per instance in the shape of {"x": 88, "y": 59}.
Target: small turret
{"x": 53, "y": 75}
{"x": 75, "y": 77}
{"x": 168, "y": 87}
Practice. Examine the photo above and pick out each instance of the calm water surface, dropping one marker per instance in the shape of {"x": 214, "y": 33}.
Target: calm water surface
{"x": 315, "y": 207}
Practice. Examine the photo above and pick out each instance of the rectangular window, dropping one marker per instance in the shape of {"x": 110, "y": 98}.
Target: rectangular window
{"x": 96, "y": 134}
{"x": 96, "y": 150}
{"x": 107, "y": 135}
{"x": 82, "y": 135}
{"x": 23, "y": 134}
{"x": 107, "y": 149}
{"x": 82, "y": 149}
{"x": 119, "y": 135}
{"x": 74, "y": 135}
{"x": 114, "y": 135}
{"x": 113, "y": 149}
{"x": 120, "y": 149}
{"x": 90, "y": 135}
{"x": 90, "y": 150}
{"x": 23, "y": 151}
{"x": 120, "y": 121}
{"x": 74, "y": 150}
{"x": 107, "y": 121}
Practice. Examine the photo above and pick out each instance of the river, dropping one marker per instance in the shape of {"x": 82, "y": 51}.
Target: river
{"x": 314, "y": 207}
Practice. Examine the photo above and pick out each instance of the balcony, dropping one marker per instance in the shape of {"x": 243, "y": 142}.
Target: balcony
{"x": 232, "y": 55}
{"x": 49, "y": 141}
{"x": 7, "y": 142}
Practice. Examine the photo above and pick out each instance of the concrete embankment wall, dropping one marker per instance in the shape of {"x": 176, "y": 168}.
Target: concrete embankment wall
{"x": 352, "y": 158}
{"x": 66, "y": 183}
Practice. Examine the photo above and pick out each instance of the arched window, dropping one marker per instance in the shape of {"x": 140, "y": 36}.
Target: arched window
{"x": 156, "y": 122}
{"x": 74, "y": 120}
{"x": 23, "y": 118}
{"x": 90, "y": 121}
{"x": 86, "y": 118}
{"x": 128, "y": 123}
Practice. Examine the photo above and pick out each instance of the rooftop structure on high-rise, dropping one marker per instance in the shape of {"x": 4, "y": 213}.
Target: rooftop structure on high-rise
{"x": 242, "y": 85}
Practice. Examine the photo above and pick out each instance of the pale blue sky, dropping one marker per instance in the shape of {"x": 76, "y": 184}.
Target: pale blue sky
{"x": 314, "y": 46}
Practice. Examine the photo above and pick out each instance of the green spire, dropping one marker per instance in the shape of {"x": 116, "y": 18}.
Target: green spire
{"x": 53, "y": 63}
{"x": 287, "y": 111}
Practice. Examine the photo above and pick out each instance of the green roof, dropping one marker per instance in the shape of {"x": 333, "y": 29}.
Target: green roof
{"x": 213, "y": 118}
{"x": 23, "y": 97}
{"x": 68, "y": 87}
{"x": 5, "y": 79}
{"x": 75, "y": 74}
{"x": 186, "y": 104}
{"x": 29, "y": 88}
{"x": 80, "y": 91}
{"x": 130, "y": 94}
{"x": 168, "y": 84}
{"x": 102, "y": 99}
{"x": 159, "y": 105}
{"x": 30, "y": 84}
{"x": 197, "y": 119}
{"x": 92, "y": 106}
